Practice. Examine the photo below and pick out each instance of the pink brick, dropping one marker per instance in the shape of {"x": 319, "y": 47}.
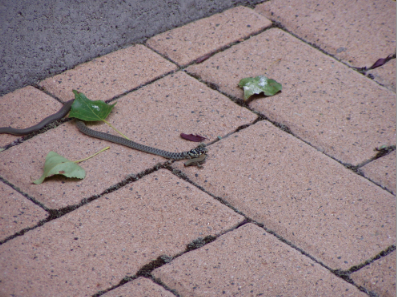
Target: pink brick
{"x": 111, "y": 75}
{"x": 356, "y": 32}
{"x": 190, "y": 42}
{"x": 154, "y": 115}
{"x": 378, "y": 277}
{"x": 140, "y": 287}
{"x": 382, "y": 171}
{"x": 94, "y": 247}
{"x": 17, "y": 212}
{"x": 250, "y": 262}
{"x": 24, "y": 108}
{"x": 332, "y": 107}
{"x": 333, "y": 214}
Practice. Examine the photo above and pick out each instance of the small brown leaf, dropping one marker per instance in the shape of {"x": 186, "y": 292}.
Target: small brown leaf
{"x": 203, "y": 58}
{"x": 381, "y": 62}
{"x": 191, "y": 137}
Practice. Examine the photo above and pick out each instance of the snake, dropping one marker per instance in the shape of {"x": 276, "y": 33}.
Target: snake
{"x": 195, "y": 155}
{"x": 56, "y": 116}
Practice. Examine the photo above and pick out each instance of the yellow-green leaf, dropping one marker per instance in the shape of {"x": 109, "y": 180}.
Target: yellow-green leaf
{"x": 259, "y": 84}
{"x": 56, "y": 164}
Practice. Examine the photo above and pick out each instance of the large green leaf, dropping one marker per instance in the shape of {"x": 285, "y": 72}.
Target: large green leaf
{"x": 259, "y": 84}
{"x": 87, "y": 110}
{"x": 56, "y": 164}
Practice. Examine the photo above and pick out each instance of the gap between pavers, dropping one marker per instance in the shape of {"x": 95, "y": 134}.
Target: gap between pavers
{"x": 24, "y": 108}
{"x": 378, "y": 277}
{"x": 94, "y": 247}
{"x": 385, "y": 75}
{"x": 17, "y": 212}
{"x": 140, "y": 287}
{"x": 111, "y": 75}
{"x": 185, "y": 44}
{"x": 250, "y": 262}
{"x": 356, "y": 32}
{"x": 154, "y": 115}
{"x": 382, "y": 171}
{"x": 325, "y": 103}
{"x": 336, "y": 216}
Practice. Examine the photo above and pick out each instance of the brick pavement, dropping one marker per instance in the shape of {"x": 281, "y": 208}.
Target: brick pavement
{"x": 294, "y": 199}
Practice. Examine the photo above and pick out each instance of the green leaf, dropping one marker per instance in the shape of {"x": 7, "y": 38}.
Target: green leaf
{"x": 56, "y": 164}
{"x": 87, "y": 110}
{"x": 259, "y": 84}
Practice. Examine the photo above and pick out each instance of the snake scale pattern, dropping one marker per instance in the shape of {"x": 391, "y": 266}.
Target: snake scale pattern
{"x": 192, "y": 154}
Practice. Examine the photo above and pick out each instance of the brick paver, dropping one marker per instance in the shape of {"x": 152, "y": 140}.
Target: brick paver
{"x": 379, "y": 276}
{"x": 271, "y": 212}
{"x": 111, "y": 75}
{"x": 140, "y": 287}
{"x": 94, "y": 247}
{"x": 385, "y": 75}
{"x": 382, "y": 171}
{"x": 318, "y": 101}
{"x": 17, "y": 212}
{"x": 358, "y": 33}
{"x": 176, "y": 104}
{"x": 195, "y": 40}
{"x": 250, "y": 262}
{"x": 300, "y": 194}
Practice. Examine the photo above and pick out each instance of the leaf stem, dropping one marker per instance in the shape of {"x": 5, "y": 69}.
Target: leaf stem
{"x": 104, "y": 149}
{"x": 114, "y": 128}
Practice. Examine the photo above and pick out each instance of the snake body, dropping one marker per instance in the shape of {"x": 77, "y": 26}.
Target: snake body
{"x": 192, "y": 154}
{"x": 197, "y": 153}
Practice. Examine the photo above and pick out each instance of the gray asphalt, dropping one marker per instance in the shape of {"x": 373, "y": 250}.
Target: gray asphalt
{"x": 39, "y": 39}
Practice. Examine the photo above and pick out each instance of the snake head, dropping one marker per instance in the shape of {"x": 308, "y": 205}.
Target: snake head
{"x": 198, "y": 151}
